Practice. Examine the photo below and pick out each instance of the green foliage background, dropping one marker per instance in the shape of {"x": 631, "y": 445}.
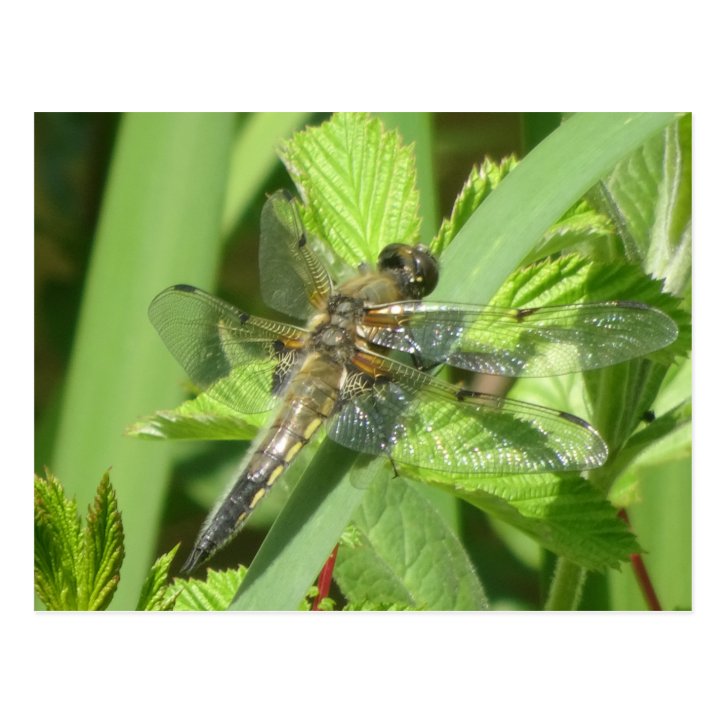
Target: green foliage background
{"x": 129, "y": 205}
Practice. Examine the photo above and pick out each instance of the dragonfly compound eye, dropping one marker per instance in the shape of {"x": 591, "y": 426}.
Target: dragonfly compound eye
{"x": 415, "y": 268}
{"x": 426, "y": 270}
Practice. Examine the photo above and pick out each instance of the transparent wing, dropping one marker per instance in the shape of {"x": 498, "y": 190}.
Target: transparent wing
{"x": 415, "y": 419}
{"x": 526, "y": 342}
{"x": 238, "y": 359}
{"x": 293, "y": 279}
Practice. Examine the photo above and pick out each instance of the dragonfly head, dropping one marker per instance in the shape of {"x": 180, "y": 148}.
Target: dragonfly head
{"x": 415, "y": 269}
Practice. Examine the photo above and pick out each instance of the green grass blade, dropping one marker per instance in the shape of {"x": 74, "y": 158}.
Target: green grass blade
{"x": 159, "y": 225}
{"x": 254, "y": 158}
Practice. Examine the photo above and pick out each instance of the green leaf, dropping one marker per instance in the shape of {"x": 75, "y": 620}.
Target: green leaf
{"x": 76, "y": 568}
{"x": 102, "y": 548}
{"x": 326, "y": 604}
{"x": 57, "y": 544}
{"x": 480, "y": 183}
{"x": 157, "y": 595}
{"x": 649, "y": 195}
{"x": 358, "y": 185}
{"x": 596, "y": 538}
{"x": 214, "y": 594}
{"x": 404, "y": 554}
{"x": 574, "y": 279}
{"x": 380, "y": 607}
{"x": 563, "y": 513}
{"x": 202, "y": 418}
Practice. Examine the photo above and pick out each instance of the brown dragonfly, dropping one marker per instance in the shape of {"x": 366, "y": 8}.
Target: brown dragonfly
{"x": 334, "y": 375}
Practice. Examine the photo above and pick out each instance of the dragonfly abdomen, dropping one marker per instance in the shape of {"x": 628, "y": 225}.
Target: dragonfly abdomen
{"x": 309, "y": 399}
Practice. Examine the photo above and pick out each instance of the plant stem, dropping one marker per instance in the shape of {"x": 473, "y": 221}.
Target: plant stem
{"x": 324, "y": 580}
{"x": 642, "y": 575}
{"x": 566, "y": 587}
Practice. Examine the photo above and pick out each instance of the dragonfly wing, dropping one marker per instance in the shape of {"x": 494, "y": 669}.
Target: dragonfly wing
{"x": 239, "y": 360}
{"x": 415, "y": 419}
{"x": 525, "y": 342}
{"x": 293, "y": 279}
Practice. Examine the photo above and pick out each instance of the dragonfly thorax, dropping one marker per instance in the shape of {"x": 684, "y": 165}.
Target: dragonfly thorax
{"x": 344, "y": 310}
{"x": 334, "y": 333}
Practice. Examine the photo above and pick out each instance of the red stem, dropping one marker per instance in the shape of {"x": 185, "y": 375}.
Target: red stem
{"x": 324, "y": 580}
{"x": 641, "y": 574}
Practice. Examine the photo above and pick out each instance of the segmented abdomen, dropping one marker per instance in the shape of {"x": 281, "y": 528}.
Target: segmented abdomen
{"x": 309, "y": 399}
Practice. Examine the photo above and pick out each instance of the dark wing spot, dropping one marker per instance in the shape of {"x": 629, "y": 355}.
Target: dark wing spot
{"x": 243, "y": 317}
{"x": 302, "y": 241}
{"x": 574, "y": 419}
{"x": 525, "y": 312}
{"x": 184, "y": 288}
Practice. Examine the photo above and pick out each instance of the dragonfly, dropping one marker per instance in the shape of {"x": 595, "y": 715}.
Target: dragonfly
{"x": 338, "y": 373}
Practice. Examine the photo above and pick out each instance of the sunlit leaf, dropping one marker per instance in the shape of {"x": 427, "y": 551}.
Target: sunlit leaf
{"x": 649, "y": 195}
{"x": 563, "y": 513}
{"x": 202, "y": 418}
{"x": 404, "y": 554}
{"x": 157, "y": 594}
{"x": 57, "y": 544}
{"x": 76, "y": 567}
{"x": 102, "y": 548}
{"x": 358, "y": 185}
{"x": 214, "y": 594}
